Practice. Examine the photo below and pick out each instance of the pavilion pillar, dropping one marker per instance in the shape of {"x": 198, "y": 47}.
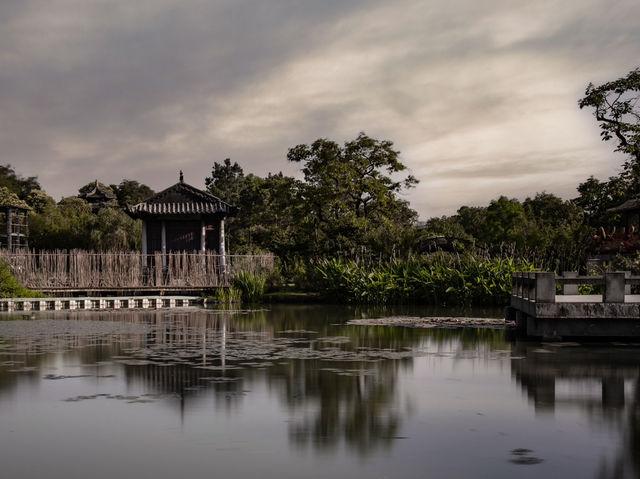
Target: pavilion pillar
{"x": 221, "y": 251}
{"x": 144, "y": 240}
{"x": 203, "y": 236}
{"x": 163, "y": 239}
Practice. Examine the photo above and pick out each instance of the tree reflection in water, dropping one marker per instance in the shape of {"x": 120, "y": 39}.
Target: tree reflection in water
{"x": 337, "y": 381}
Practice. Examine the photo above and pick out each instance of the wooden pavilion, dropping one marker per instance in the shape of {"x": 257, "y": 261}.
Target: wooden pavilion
{"x": 624, "y": 238}
{"x": 182, "y": 218}
{"x": 630, "y": 213}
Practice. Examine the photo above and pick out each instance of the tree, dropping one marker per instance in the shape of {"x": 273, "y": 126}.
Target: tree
{"x": 16, "y": 183}
{"x": 226, "y": 181}
{"x": 474, "y": 220}
{"x": 505, "y": 222}
{"x": 351, "y": 193}
{"x": 616, "y": 106}
{"x": 130, "y": 192}
{"x": 112, "y": 229}
{"x": 596, "y": 197}
{"x": 268, "y": 217}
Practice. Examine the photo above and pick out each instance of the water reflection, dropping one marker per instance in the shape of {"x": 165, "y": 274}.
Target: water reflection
{"x": 337, "y": 387}
{"x": 600, "y": 381}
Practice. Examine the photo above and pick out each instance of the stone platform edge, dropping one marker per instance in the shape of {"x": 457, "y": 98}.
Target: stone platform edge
{"x": 99, "y": 303}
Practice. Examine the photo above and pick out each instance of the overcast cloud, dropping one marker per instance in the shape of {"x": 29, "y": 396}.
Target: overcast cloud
{"x": 480, "y": 97}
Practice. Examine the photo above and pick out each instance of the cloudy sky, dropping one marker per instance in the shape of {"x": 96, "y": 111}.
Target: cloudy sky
{"x": 480, "y": 96}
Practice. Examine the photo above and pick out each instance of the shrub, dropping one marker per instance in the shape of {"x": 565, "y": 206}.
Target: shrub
{"x": 9, "y": 286}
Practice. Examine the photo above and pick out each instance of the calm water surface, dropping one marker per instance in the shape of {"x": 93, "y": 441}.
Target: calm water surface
{"x": 295, "y": 392}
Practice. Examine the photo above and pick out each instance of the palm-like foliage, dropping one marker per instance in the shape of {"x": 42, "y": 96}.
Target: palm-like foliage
{"x": 442, "y": 279}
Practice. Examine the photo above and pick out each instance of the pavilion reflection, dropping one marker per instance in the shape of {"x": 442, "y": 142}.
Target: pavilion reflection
{"x": 601, "y": 381}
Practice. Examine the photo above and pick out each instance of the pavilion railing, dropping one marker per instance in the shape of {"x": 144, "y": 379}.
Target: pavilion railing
{"x": 546, "y": 287}
{"x": 79, "y": 269}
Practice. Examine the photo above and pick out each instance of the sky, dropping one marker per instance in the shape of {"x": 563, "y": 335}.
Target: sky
{"x": 479, "y": 96}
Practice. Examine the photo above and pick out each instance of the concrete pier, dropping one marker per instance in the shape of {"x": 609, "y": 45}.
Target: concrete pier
{"x": 550, "y": 307}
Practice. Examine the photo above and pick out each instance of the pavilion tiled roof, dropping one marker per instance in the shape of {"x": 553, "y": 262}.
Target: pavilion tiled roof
{"x": 97, "y": 193}
{"x": 182, "y": 199}
{"x": 629, "y": 205}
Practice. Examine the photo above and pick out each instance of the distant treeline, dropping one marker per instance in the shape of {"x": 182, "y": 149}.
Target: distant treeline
{"x": 72, "y": 223}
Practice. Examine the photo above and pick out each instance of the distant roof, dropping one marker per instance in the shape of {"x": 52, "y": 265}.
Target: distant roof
{"x": 182, "y": 199}
{"x": 629, "y": 205}
{"x": 97, "y": 194}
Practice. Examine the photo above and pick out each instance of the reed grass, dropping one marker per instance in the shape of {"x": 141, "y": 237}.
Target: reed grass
{"x": 250, "y": 285}
{"x": 438, "y": 279}
{"x": 226, "y": 296}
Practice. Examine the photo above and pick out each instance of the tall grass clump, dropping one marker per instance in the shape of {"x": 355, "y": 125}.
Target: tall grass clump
{"x": 226, "y": 296}
{"x": 251, "y": 286}
{"x": 9, "y": 286}
{"x": 438, "y": 279}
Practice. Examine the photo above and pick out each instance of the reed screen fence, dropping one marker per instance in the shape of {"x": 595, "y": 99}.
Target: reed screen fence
{"x": 78, "y": 269}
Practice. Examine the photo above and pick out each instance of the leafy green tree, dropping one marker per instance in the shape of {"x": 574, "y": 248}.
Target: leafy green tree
{"x": 597, "y": 197}
{"x": 616, "y": 107}
{"x": 505, "y": 222}
{"x": 39, "y": 201}
{"x": 474, "y": 220}
{"x": 351, "y": 193}
{"x": 16, "y": 183}
{"x": 65, "y": 225}
{"x": 112, "y": 229}
{"x": 227, "y": 182}
{"x": 130, "y": 192}
{"x": 269, "y": 210}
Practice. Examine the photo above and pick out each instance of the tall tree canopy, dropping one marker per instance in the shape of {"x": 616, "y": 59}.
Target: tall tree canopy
{"x": 349, "y": 199}
{"x": 130, "y": 192}
{"x": 357, "y": 176}
{"x": 351, "y": 193}
{"x": 616, "y": 106}
{"x": 17, "y": 184}
{"x": 226, "y": 181}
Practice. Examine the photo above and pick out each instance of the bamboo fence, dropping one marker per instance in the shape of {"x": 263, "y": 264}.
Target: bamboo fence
{"x": 78, "y": 269}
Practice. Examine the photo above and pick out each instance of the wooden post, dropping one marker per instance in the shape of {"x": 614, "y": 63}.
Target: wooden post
{"x": 614, "y": 287}
{"x": 203, "y": 236}
{"x": 144, "y": 240}
{"x": 163, "y": 239}
{"x": 545, "y": 287}
{"x": 221, "y": 250}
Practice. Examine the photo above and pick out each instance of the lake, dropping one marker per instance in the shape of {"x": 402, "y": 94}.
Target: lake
{"x": 295, "y": 391}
